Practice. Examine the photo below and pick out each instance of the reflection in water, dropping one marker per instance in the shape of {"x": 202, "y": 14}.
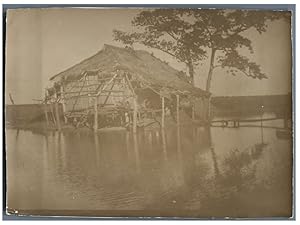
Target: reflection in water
{"x": 213, "y": 154}
{"x": 179, "y": 172}
{"x": 97, "y": 150}
{"x": 136, "y": 153}
{"x": 164, "y": 144}
{"x": 208, "y": 171}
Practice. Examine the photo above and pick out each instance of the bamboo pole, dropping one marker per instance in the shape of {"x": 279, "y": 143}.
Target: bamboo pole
{"x": 46, "y": 109}
{"x": 57, "y": 116}
{"x": 162, "y": 112}
{"x": 105, "y": 86}
{"x": 193, "y": 111}
{"x": 52, "y": 113}
{"x": 109, "y": 92}
{"x": 177, "y": 109}
{"x": 96, "y": 114}
{"x": 134, "y": 114}
{"x": 11, "y": 99}
{"x": 46, "y": 113}
{"x": 63, "y": 103}
{"x": 96, "y": 102}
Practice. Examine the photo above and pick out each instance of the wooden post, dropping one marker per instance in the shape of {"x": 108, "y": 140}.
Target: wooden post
{"x": 193, "y": 111}
{"x": 162, "y": 112}
{"x": 46, "y": 109}
{"x": 96, "y": 114}
{"x": 11, "y": 99}
{"x": 46, "y": 113}
{"x": 57, "y": 115}
{"x": 134, "y": 114}
{"x": 52, "y": 113}
{"x": 177, "y": 109}
{"x": 62, "y": 94}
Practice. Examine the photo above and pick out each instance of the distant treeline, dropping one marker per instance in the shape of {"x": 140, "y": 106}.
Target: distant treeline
{"x": 281, "y": 105}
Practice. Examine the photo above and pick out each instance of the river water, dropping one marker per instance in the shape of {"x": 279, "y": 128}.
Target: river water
{"x": 183, "y": 171}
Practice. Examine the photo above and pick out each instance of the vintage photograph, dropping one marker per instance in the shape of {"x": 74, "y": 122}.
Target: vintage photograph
{"x": 149, "y": 112}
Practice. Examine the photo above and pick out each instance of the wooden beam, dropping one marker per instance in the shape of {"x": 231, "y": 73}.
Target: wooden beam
{"x": 46, "y": 113}
{"x": 76, "y": 100}
{"x": 63, "y": 101}
{"x": 88, "y": 96}
{"x": 46, "y": 109}
{"x": 57, "y": 116}
{"x": 134, "y": 114}
{"x": 76, "y": 92}
{"x": 105, "y": 86}
{"x": 129, "y": 84}
{"x": 11, "y": 99}
{"x": 162, "y": 112}
{"x": 109, "y": 93}
{"x": 96, "y": 114}
{"x": 177, "y": 109}
{"x": 52, "y": 114}
{"x": 193, "y": 111}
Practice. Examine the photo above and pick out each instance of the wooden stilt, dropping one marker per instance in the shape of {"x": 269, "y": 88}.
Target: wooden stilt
{"x": 193, "y": 111}
{"x": 177, "y": 109}
{"x": 52, "y": 113}
{"x": 162, "y": 112}
{"x": 46, "y": 113}
{"x": 11, "y": 99}
{"x": 96, "y": 114}
{"x": 63, "y": 103}
{"x": 57, "y": 116}
{"x": 134, "y": 114}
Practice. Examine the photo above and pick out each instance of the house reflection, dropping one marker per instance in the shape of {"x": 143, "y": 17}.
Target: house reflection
{"x": 165, "y": 164}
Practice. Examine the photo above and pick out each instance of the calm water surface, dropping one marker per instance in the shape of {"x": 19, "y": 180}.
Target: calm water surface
{"x": 186, "y": 171}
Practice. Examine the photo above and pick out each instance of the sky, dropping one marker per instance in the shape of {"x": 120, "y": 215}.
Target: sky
{"x": 43, "y": 42}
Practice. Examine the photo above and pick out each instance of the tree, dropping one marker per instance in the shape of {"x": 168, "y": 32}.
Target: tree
{"x": 168, "y": 31}
{"x": 190, "y": 34}
{"x": 223, "y": 33}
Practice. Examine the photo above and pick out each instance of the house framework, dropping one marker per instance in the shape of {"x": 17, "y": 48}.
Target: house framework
{"x": 123, "y": 87}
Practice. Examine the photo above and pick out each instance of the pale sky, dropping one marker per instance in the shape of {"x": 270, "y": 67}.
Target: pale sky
{"x": 44, "y": 42}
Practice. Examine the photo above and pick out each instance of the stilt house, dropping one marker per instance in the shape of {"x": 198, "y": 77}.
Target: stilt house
{"x": 121, "y": 87}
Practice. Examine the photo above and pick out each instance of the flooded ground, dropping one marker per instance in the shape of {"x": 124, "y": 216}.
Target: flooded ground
{"x": 181, "y": 171}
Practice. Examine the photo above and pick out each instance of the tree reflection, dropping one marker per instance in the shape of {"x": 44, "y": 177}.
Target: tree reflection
{"x": 239, "y": 166}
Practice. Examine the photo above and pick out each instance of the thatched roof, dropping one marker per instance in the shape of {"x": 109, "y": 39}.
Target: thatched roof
{"x": 138, "y": 63}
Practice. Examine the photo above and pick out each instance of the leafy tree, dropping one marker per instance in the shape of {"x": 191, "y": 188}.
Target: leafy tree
{"x": 168, "y": 31}
{"x": 223, "y": 34}
{"x": 192, "y": 35}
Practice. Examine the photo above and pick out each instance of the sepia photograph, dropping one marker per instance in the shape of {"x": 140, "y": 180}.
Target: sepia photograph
{"x": 149, "y": 112}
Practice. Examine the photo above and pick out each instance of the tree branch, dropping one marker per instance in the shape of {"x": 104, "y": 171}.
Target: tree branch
{"x": 247, "y": 74}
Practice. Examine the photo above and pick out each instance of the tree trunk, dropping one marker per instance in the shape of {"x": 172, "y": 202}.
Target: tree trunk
{"x": 211, "y": 68}
{"x": 209, "y": 77}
